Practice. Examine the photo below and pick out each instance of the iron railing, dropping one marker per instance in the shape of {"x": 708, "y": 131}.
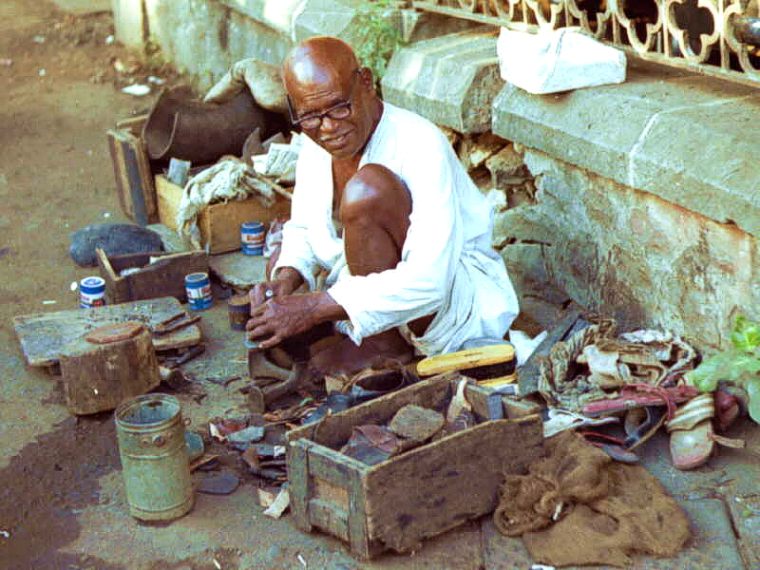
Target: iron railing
{"x": 714, "y": 37}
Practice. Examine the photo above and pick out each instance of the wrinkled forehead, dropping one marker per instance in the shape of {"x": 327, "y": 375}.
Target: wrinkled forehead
{"x": 306, "y": 77}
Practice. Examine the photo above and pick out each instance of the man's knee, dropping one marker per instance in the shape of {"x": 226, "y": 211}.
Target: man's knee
{"x": 374, "y": 192}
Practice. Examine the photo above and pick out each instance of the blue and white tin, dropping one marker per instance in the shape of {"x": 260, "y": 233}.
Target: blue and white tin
{"x": 252, "y": 238}
{"x": 198, "y": 289}
{"x": 92, "y": 292}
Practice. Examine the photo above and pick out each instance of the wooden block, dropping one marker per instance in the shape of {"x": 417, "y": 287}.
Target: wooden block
{"x": 163, "y": 278}
{"x": 134, "y": 179}
{"x": 43, "y": 335}
{"x": 219, "y": 224}
{"x": 98, "y": 377}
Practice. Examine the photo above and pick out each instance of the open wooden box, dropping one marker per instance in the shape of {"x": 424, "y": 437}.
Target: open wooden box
{"x": 219, "y": 224}
{"x": 165, "y": 277}
{"x": 418, "y": 494}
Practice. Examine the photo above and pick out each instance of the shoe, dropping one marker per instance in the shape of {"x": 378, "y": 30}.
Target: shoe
{"x": 376, "y": 383}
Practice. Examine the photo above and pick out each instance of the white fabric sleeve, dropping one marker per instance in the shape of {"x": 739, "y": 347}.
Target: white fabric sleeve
{"x": 418, "y": 285}
{"x": 296, "y": 250}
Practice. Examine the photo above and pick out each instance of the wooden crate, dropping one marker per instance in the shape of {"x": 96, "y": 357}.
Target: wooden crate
{"x": 131, "y": 168}
{"x": 163, "y": 278}
{"x": 419, "y": 494}
{"x": 219, "y": 224}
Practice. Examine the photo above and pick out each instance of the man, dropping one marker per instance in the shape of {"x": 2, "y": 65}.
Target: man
{"x": 383, "y": 205}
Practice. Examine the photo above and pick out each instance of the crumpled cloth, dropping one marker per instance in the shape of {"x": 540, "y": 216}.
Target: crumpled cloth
{"x": 604, "y": 511}
{"x": 593, "y": 364}
{"x": 229, "y": 179}
{"x": 262, "y": 80}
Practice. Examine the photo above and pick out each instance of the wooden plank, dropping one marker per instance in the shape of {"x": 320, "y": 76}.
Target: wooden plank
{"x": 135, "y": 189}
{"x": 134, "y": 124}
{"x": 332, "y": 466}
{"x": 117, "y": 160}
{"x": 436, "y": 487}
{"x": 326, "y": 516}
{"x": 169, "y": 197}
{"x": 298, "y": 482}
{"x": 358, "y": 533}
{"x": 43, "y": 335}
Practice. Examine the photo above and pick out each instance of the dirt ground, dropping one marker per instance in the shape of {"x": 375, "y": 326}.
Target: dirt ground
{"x": 62, "y": 503}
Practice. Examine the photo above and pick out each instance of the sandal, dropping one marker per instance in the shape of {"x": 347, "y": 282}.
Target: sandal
{"x": 691, "y": 433}
{"x": 641, "y": 424}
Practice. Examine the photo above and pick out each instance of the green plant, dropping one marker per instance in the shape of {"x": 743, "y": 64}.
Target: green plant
{"x": 377, "y": 35}
{"x": 739, "y": 364}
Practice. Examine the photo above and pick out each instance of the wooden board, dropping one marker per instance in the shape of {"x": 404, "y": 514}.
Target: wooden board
{"x": 219, "y": 224}
{"x": 43, "y": 335}
{"x": 446, "y": 483}
{"x": 134, "y": 179}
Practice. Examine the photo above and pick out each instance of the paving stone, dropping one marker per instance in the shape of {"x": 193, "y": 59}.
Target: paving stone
{"x": 502, "y": 552}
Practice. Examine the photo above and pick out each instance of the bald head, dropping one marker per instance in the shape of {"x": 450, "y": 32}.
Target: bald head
{"x": 317, "y": 61}
{"x": 330, "y": 96}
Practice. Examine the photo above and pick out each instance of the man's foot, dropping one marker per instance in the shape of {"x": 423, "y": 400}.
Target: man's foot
{"x": 345, "y": 357}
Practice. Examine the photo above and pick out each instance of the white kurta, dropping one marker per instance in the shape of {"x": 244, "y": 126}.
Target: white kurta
{"x": 447, "y": 266}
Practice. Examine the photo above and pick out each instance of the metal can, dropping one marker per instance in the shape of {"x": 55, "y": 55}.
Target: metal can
{"x": 92, "y": 292}
{"x": 252, "y": 238}
{"x": 198, "y": 289}
{"x": 154, "y": 457}
{"x": 239, "y": 311}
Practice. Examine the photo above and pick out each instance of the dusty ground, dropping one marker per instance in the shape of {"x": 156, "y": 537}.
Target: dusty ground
{"x": 62, "y": 502}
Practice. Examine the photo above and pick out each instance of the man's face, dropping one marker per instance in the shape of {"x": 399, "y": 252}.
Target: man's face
{"x": 335, "y": 112}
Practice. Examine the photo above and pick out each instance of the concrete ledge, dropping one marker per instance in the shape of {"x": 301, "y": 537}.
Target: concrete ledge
{"x": 689, "y": 139}
{"x": 451, "y": 80}
{"x": 276, "y": 14}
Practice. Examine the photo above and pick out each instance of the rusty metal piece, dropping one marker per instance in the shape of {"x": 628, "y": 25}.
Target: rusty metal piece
{"x": 180, "y": 127}
{"x": 176, "y": 323}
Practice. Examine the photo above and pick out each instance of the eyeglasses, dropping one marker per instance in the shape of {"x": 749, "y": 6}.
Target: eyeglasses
{"x": 338, "y": 112}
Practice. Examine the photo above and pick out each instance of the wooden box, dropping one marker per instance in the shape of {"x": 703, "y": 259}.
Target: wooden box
{"x": 418, "y": 494}
{"x": 131, "y": 168}
{"x": 162, "y": 278}
{"x": 219, "y": 224}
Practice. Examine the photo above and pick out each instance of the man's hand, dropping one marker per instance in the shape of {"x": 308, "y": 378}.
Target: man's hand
{"x": 284, "y": 316}
{"x": 288, "y": 280}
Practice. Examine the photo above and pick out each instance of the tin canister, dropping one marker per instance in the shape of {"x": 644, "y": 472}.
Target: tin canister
{"x": 92, "y": 292}
{"x": 252, "y": 238}
{"x": 239, "y": 311}
{"x": 154, "y": 457}
{"x": 198, "y": 289}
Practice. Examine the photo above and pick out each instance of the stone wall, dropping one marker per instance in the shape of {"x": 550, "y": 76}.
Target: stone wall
{"x": 630, "y": 254}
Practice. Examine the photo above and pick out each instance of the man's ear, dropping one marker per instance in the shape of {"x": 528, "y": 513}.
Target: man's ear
{"x": 367, "y": 78}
